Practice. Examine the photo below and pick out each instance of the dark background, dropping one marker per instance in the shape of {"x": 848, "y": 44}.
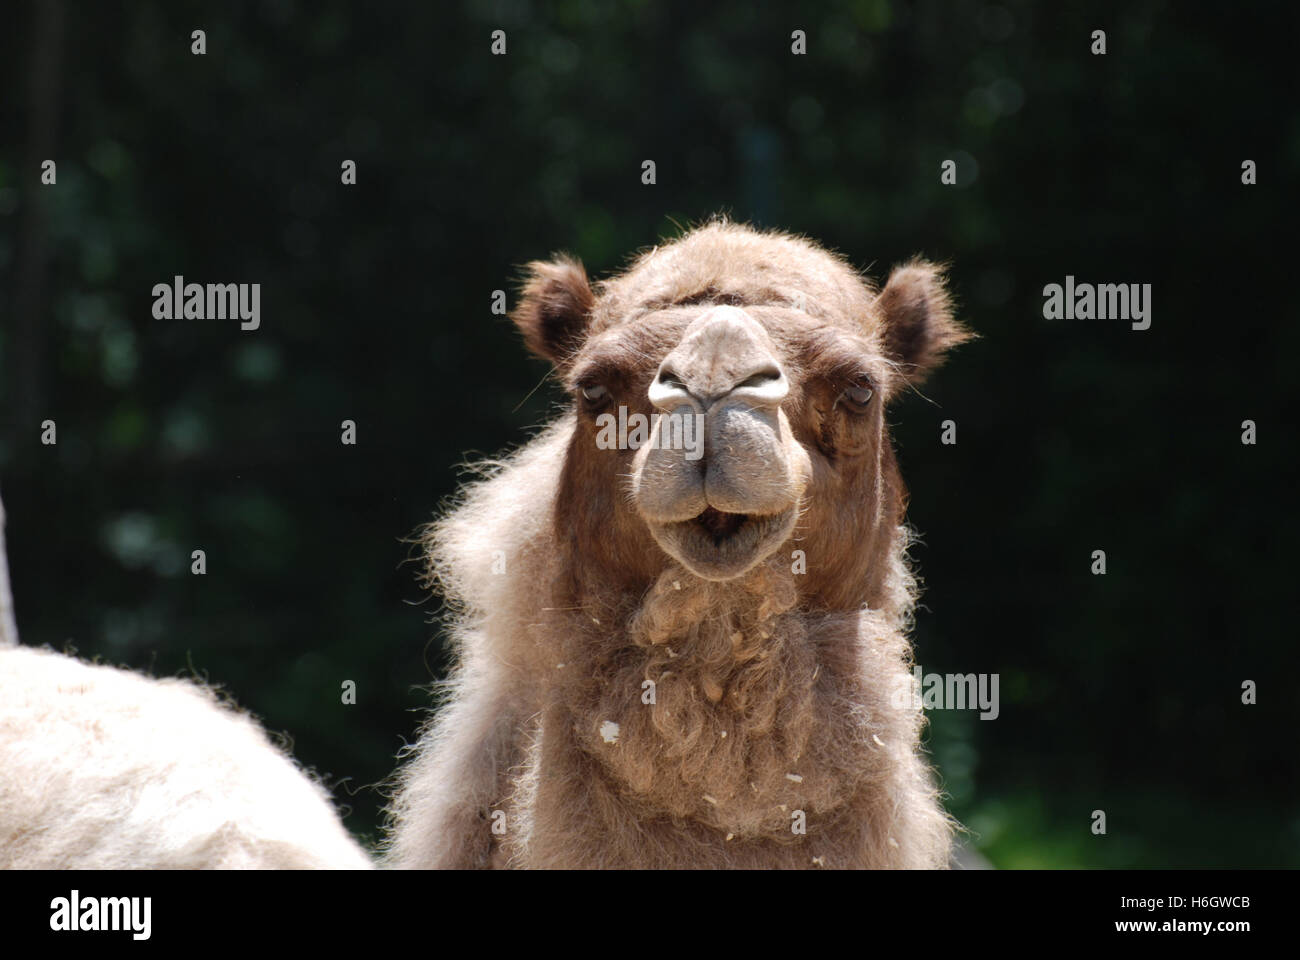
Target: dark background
{"x": 1119, "y": 693}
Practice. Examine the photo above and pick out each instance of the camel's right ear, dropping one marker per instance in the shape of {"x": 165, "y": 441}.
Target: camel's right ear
{"x": 554, "y": 309}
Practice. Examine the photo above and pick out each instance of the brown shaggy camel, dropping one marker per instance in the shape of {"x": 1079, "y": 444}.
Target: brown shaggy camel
{"x": 684, "y": 647}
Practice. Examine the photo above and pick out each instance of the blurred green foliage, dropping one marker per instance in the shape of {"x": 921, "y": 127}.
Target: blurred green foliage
{"x": 1118, "y": 692}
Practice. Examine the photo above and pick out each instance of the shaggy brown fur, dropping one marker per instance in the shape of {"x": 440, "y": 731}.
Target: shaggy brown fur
{"x": 617, "y": 701}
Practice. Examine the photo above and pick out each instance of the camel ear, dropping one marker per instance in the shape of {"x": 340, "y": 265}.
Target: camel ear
{"x": 918, "y": 324}
{"x": 554, "y": 309}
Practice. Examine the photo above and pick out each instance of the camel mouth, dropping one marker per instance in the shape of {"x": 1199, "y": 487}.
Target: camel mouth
{"x": 720, "y": 525}
{"x": 716, "y": 545}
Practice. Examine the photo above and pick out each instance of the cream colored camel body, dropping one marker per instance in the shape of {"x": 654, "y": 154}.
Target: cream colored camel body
{"x": 106, "y": 769}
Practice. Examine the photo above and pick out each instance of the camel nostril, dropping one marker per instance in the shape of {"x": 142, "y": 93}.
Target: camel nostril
{"x": 668, "y": 391}
{"x": 760, "y": 379}
{"x": 767, "y": 386}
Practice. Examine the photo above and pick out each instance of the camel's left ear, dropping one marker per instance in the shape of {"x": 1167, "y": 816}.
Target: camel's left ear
{"x": 918, "y": 324}
{"x": 554, "y": 309}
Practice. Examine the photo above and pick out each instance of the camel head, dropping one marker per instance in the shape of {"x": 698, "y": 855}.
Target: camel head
{"x": 729, "y": 393}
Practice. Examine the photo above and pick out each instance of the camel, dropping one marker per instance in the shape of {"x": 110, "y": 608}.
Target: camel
{"x": 667, "y": 661}
{"x": 103, "y": 768}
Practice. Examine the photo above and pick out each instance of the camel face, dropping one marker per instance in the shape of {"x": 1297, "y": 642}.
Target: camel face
{"x": 721, "y": 513}
{"x": 787, "y": 409}
{"x": 753, "y": 369}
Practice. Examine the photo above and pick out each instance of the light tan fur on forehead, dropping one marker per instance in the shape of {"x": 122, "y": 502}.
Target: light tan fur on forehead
{"x": 907, "y": 327}
{"x": 810, "y": 301}
{"x": 732, "y": 263}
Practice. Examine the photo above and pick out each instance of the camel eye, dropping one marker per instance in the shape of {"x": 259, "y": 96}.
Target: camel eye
{"x": 856, "y": 397}
{"x": 594, "y": 394}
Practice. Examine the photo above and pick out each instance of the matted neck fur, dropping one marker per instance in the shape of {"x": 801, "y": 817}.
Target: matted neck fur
{"x": 667, "y": 660}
